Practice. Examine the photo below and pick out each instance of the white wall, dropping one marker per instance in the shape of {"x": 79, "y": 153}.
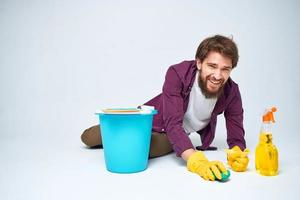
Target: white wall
{"x": 62, "y": 60}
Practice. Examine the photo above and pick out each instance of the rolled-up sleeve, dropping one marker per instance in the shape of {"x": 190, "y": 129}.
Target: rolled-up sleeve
{"x": 173, "y": 112}
{"x": 234, "y": 121}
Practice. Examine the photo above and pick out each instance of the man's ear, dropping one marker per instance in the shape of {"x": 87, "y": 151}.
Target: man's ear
{"x": 198, "y": 61}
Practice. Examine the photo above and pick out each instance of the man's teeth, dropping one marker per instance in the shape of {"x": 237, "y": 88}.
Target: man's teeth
{"x": 215, "y": 82}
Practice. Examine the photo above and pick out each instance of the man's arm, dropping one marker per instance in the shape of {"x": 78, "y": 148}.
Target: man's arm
{"x": 173, "y": 113}
{"x": 234, "y": 121}
{"x": 187, "y": 153}
{"x": 237, "y": 155}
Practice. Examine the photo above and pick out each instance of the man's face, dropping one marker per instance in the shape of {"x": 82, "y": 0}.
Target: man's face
{"x": 214, "y": 72}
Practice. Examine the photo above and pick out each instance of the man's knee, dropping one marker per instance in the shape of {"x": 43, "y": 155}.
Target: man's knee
{"x": 91, "y": 136}
{"x": 160, "y": 145}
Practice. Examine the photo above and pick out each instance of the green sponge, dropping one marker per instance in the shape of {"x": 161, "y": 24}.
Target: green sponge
{"x": 225, "y": 177}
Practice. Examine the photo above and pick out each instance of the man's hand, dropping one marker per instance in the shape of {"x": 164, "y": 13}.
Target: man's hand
{"x": 237, "y": 159}
{"x": 209, "y": 170}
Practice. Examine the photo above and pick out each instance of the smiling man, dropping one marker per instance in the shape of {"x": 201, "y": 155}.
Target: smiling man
{"x": 194, "y": 94}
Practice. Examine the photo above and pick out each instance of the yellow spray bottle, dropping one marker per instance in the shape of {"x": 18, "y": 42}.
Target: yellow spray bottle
{"x": 266, "y": 154}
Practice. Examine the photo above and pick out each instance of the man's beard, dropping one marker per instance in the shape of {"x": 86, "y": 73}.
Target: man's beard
{"x": 203, "y": 86}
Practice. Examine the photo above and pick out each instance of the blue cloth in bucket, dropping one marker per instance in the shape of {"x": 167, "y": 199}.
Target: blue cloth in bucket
{"x": 126, "y": 140}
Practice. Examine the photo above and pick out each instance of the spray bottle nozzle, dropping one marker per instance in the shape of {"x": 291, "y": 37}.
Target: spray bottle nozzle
{"x": 268, "y": 116}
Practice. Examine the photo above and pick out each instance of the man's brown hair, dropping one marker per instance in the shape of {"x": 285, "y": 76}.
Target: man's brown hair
{"x": 220, "y": 44}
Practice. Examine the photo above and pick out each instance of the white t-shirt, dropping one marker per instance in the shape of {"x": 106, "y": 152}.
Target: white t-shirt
{"x": 199, "y": 109}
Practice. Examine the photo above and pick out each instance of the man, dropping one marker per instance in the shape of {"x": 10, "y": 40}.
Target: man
{"x": 194, "y": 93}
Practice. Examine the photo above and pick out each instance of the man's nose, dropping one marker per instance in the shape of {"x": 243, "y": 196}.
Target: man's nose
{"x": 218, "y": 74}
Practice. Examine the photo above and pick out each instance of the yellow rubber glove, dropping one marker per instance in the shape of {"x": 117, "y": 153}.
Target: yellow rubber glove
{"x": 237, "y": 159}
{"x": 198, "y": 163}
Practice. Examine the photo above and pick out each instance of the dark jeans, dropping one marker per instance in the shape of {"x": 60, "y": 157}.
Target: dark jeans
{"x": 159, "y": 145}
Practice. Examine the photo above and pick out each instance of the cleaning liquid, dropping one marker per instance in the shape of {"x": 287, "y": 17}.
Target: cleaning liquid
{"x": 266, "y": 154}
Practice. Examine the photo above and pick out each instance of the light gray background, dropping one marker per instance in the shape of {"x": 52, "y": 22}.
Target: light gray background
{"x": 62, "y": 60}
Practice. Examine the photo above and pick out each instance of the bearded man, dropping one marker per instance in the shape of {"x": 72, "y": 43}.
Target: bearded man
{"x": 193, "y": 95}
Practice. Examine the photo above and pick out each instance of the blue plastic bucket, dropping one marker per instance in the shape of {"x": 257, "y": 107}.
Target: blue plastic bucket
{"x": 126, "y": 140}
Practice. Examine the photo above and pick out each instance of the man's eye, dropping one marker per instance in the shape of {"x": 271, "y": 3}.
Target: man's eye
{"x": 227, "y": 69}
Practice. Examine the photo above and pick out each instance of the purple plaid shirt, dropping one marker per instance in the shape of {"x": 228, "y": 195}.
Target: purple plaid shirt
{"x": 172, "y": 103}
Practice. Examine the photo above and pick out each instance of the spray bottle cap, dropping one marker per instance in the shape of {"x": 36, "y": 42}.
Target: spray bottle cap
{"x": 268, "y": 116}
